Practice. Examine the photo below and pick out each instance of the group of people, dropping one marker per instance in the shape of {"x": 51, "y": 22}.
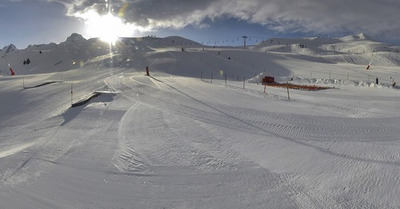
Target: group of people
{"x": 27, "y": 62}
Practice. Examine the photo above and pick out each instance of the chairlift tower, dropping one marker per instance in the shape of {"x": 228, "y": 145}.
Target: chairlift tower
{"x": 244, "y": 41}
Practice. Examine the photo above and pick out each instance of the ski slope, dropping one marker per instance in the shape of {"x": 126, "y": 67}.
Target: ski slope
{"x": 174, "y": 140}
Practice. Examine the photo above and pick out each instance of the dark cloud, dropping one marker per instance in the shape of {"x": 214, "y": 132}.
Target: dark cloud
{"x": 376, "y": 18}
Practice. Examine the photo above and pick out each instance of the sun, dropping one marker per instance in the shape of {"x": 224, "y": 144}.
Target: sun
{"x": 106, "y": 27}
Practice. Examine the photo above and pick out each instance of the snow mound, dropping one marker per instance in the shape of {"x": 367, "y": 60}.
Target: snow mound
{"x": 326, "y": 82}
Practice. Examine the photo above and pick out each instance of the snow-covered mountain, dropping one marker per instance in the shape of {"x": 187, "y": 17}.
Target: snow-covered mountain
{"x": 8, "y": 49}
{"x": 75, "y": 38}
{"x": 76, "y": 51}
{"x": 354, "y": 49}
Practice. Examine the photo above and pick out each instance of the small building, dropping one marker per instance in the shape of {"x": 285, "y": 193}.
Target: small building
{"x": 268, "y": 80}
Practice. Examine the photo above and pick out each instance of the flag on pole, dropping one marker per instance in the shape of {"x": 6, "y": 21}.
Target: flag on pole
{"x": 369, "y": 65}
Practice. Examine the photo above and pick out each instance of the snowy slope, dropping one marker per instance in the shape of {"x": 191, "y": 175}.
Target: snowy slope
{"x": 354, "y": 49}
{"x": 155, "y": 52}
{"x": 174, "y": 140}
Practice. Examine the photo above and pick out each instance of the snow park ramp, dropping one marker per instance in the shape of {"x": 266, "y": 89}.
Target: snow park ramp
{"x": 40, "y": 85}
{"x": 86, "y": 100}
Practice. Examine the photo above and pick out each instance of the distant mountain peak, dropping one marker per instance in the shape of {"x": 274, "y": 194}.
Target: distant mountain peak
{"x": 356, "y": 37}
{"x": 8, "y": 49}
{"x": 75, "y": 37}
{"x": 362, "y": 36}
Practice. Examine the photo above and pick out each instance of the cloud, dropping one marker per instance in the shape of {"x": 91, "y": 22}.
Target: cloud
{"x": 375, "y": 18}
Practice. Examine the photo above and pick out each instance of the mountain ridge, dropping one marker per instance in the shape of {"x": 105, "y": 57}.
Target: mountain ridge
{"x": 166, "y": 54}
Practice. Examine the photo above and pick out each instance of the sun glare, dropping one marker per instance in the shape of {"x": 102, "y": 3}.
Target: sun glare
{"x": 106, "y": 27}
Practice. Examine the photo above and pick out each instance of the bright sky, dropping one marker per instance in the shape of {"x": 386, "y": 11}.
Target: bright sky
{"x": 221, "y": 22}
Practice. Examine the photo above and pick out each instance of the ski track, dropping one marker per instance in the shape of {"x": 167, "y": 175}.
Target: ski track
{"x": 304, "y": 128}
{"x": 182, "y": 153}
{"x": 195, "y": 168}
{"x": 304, "y": 131}
{"x": 162, "y": 143}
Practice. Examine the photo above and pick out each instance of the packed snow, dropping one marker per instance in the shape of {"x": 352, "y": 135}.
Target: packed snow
{"x": 82, "y": 126}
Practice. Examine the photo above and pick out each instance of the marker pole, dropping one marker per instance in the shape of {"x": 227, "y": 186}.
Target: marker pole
{"x": 72, "y": 92}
